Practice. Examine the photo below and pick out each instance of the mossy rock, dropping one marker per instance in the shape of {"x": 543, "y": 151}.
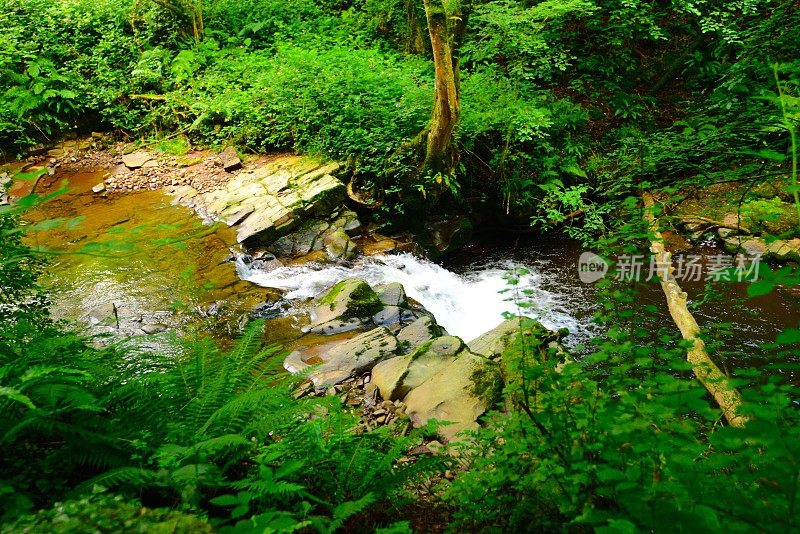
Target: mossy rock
{"x": 512, "y": 339}
{"x": 441, "y": 380}
{"x": 348, "y": 299}
{"x": 108, "y": 513}
{"x": 772, "y": 217}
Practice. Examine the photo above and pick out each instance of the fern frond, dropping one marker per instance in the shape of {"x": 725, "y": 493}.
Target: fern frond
{"x": 221, "y": 446}
{"x": 348, "y": 509}
{"x": 16, "y": 396}
{"x": 237, "y": 413}
{"x": 122, "y": 476}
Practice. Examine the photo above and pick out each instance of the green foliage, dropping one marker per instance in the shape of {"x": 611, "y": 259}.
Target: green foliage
{"x": 625, "y": 439}
{"x": 772, "y": 216}
{"x": 200, "y": 428}
{"x": 107, "y": 513}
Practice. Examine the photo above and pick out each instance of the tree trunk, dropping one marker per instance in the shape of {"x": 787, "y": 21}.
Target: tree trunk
{"x": 446, "y": 32}
{"x": 706, "y": 371}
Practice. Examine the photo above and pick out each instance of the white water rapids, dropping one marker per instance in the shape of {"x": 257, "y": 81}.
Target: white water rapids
{"x": 465, "y": 304}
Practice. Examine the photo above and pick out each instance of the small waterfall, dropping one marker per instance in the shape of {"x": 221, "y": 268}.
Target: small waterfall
{"x": 465, "y": 304}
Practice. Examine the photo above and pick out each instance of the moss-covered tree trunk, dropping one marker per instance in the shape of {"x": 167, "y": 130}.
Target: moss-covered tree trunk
{"x": 446, "y": 32}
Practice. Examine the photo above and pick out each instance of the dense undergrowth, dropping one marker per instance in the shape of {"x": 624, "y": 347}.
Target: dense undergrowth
{"x": 564, "y": 104}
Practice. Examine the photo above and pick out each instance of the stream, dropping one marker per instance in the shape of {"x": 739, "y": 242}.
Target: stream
{"x": 137, "y": 264}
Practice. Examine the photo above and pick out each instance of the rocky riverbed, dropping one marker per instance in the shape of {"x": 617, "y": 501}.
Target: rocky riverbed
{"x": 381, "y": 351}
{"x": 131, "y": 260}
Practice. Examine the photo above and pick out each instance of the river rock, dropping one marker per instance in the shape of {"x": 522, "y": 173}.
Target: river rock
{"x": 339, "y": 246}
{"x": 265, "y": 262}
{"x": 349, "y": 299}
{"x": 307, "y": 238}
{"x": 393, "y": 294}
{"x": 418, "y": 332}
{"x": 459, "y": 393}
{"x": 99, "y": 188}
{"x": 273, "y": 200}
{"x": 394, "y": 378}
{"x": 348, "y": 221}
{"x": 230, "y": 160}
{"x": 390, "y": 315}
{"x": 154, "y": 328}
{"x": 441, "y": 380}
{"x": 448, "y": 234}
{"x": 505, "y": 343}
{"x": 785, "y": 250}
{"x": 138, "y": 159}
{"x": 751, "y": 246}
{"x": 347, "y": 359}
{"x": 496, "y": 341}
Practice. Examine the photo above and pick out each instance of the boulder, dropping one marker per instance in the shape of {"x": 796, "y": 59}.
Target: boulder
{"x": 349, "y": 299}
{"x": 230, "y": 160}
{"x": 422, "y": 330}
{"x": 459, "y": 393}
{"x": 138, "y": 159}
{"x": 265, "y": 262}
{"x": 393, "y": 294}
{"x": 447, "y": 234}
{"x": 349, "y": 358}
{"x": 155, "y": 328}
{"x": 337, "y": 326}
{"x": 504, "y": 343}
{"x": 750, "y": 246}
{"x": 339, "y": 246}
{"x": 494, "y": 343}
{"x": 390, "y": 315}
{"x": 273, "y": 200}
{"x": 441, "y": 380}
{"x": 347, "y": 221}
{"x": 302, "y": 241}
{"x": 785, "y": 250}
{"x": 394, "y": 378}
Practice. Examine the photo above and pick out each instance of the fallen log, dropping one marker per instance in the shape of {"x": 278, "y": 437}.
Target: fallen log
{"x": 707, "y": 372}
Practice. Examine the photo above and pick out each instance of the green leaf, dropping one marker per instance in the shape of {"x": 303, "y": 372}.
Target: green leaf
{"x": 226, "y": 500}
{"x": 760, "y": 288}
{"x": 575, "y": 170}
{"x": 789, "y": 336}
{"x": 617, "y": 525}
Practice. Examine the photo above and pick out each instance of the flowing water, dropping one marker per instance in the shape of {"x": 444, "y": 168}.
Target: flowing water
{"x": 128, "y": 264}
{"x": 465, "y": 303}
{"x": 138, "y": 260}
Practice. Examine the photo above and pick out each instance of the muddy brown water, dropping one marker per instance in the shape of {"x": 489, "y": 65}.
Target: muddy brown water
{"x": 129, "y": 262}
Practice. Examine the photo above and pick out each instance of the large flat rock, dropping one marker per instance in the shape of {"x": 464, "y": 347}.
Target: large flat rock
{"x": 346, "y": 359}
{"x": 271, "y": 201}
{"x": 441, "y": 380}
